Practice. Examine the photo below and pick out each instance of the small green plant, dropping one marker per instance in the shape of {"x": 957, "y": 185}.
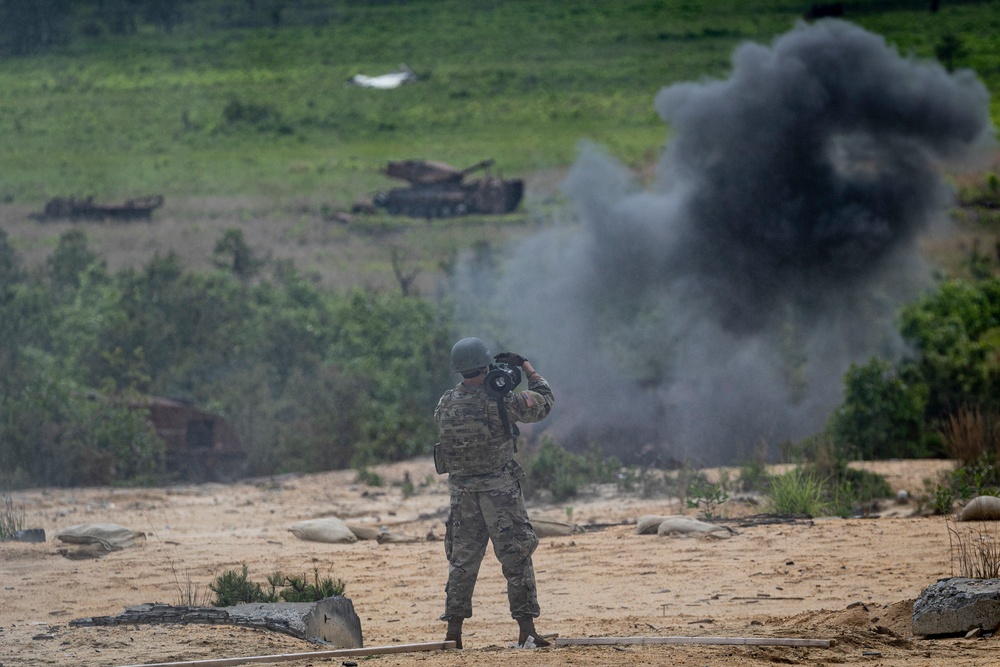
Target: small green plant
{"x": 753, "y": 475}
{"x": 978, "y": 478}
{"x": 942, "y": 499}
{"x": 369, "y": 478}
{"x": 406, "y": 486}
{"x": 232, "y": 588}
{"x": 710, "y": 497}
{"x": 796, "y": 492}
{"x": 11, "y": 519}
{"x": 297, "y": 589}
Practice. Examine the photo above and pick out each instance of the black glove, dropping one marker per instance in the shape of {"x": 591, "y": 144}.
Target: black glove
{"x": 510, "y": 358}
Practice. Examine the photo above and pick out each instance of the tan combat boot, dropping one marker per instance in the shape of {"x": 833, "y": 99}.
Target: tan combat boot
{"x": 529, "y": 637}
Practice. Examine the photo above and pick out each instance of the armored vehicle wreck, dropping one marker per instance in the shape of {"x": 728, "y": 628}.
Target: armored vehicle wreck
{"x": 438, "y": 190}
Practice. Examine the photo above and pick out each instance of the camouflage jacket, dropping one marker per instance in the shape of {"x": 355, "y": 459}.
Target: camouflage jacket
{"x": 474, "y": 441}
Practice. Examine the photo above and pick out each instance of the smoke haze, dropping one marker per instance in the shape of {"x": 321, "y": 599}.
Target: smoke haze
{"x": 719, "y": 307}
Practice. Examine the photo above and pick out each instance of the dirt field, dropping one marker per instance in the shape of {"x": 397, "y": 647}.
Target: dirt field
{"x": 852, "y": 581}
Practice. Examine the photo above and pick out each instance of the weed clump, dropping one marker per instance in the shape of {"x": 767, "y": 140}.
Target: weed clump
{"x": 972, "y": 438}
{"x": 975, "y": 552}
{"x": 232, "y": 588}
{"x": 796, "y": 492}
{"x": 11, "y": 518}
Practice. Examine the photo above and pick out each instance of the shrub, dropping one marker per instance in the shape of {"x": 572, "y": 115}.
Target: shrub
{"x": 369, "y": 478}
{"x": 978, "y": 478}
{"x": 297, "y": 589}
{"x": 708, "y": 496}
{"x": 562, "y": 472}
{"x": 971, "y": 435}
{"x": 882, "y": 415}
{"x": 232, "y": 588}
{"x": 796, "y": 492}
{"x": 753, "y": 474}
{"x": 260, "y": 117}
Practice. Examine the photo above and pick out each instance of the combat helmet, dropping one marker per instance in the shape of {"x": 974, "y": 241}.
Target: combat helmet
{"x": 469, "y": 354}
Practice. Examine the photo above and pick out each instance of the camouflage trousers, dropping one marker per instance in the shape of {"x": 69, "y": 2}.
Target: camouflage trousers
{"x": 476, "y": 518}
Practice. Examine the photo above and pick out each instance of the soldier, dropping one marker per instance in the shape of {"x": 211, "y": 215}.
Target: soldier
{"x": 478, "y": 441}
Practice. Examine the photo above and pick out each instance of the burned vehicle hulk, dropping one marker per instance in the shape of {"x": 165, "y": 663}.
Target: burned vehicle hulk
{"x": 438, "y": 190}
{"x": 140, "y": 208}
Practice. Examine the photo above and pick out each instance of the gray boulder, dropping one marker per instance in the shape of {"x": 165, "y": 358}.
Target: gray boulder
{"x": 957, "y": 605}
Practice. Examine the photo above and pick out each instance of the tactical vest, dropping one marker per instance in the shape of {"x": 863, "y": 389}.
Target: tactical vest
{"x": 473, "y": 438}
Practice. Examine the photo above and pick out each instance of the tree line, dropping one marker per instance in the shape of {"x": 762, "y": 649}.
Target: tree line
{"x": 32, "y": 27}
{"x": 313, "y": 379}
{"x": 309, "y": 378}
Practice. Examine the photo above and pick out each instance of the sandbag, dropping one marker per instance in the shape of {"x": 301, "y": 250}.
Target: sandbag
{"x": 328, "y": 529}
{"x": 981, "y": 508}
{"x": 397, "y": 538}
{"x": 363, "y": 532}
{"x": 682, "y": 525}
{"x": 546, "y": 528}
{"x": 109, "y": 535}
{"x": 648, "y": 525}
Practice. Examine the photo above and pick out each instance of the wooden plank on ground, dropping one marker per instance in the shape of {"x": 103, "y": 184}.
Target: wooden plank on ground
{"x": 309, "y": 655}
{"x": 750, "y": 641}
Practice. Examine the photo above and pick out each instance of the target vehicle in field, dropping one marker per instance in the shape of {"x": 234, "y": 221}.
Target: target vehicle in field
{"x": 438, "y": 190}
{"x": 140, "y": 208}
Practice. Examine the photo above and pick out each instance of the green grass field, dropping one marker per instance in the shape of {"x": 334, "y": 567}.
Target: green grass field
{"x": 520, "y": 81}
{"x": 237, "y": 121}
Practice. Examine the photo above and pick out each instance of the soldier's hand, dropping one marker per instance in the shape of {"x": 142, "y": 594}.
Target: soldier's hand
{"x": 512, "y": 358}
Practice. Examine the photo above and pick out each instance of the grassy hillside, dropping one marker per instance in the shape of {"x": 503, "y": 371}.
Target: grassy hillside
{"x": 520, "y": 81}
{"x": 239, "y": 115}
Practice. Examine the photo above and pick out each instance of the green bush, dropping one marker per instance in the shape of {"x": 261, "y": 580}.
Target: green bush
{"x": 972, "y": 438}
{"x": 796, "y": 492}
{"x": 369, "y": 478}
{"x": 232, "y": 588}
{"x": 955, "y": 331}
{"x": 297, "y": 589}
{"x": 753, "y": 473}
{"x": 562, "y": 473}
{"x": 310, "y": 379}
{"x": 882, "y": 415}
{"x": 706, "y": 495}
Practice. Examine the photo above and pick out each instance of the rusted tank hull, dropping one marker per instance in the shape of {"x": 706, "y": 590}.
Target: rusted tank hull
{"x": 87, "y": 209}
{"x": 487, "y": 196}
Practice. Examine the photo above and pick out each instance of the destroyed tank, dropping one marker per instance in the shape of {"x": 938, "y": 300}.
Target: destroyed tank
{"x": 438, "y": 190}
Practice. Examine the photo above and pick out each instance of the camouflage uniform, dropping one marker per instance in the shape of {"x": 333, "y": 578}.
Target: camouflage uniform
{"x": 486, "y": 499}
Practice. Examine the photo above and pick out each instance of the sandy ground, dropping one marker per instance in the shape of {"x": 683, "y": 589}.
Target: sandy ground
{"x": 803, "y": 579}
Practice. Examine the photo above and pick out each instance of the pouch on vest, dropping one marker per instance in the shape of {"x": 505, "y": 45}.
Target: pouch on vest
{"x": 439, "y": 464}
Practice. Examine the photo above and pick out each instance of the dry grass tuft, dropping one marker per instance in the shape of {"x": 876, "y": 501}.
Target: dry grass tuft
{"x": 975, "y": 552}
{"x": 970, "y": 435}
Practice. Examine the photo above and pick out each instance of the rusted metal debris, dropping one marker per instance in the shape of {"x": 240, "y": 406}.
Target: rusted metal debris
{"x": 140, "y": 208}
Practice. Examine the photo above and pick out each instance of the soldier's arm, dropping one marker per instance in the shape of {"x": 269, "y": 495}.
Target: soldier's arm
{"x": 534, "y": 404}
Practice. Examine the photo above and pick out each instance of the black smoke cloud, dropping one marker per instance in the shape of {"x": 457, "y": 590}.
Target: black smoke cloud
{"x": 719, "y": 307}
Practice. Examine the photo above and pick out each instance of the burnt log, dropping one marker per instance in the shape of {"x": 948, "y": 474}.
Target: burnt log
{"x": 331, "y": 621}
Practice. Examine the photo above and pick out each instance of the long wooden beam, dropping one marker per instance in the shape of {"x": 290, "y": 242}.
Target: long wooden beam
{"x": 285, "y": 657}
{"x": 754, "y": 641}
